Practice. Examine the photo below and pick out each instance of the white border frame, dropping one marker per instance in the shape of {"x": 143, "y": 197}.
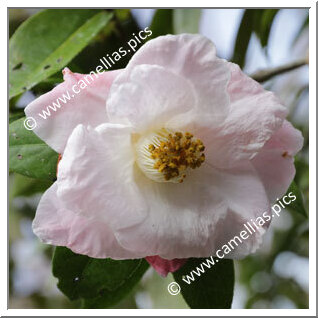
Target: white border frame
{"x": 312, "y": 162}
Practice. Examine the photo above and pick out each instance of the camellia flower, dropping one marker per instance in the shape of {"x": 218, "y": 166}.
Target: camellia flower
{"x": 166, "y": 159}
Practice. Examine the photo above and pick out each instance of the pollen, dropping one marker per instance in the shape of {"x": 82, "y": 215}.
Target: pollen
{"x": 167, "y": 156}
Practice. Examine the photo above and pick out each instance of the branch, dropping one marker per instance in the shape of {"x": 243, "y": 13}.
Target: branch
{"x": 266, "y": 74}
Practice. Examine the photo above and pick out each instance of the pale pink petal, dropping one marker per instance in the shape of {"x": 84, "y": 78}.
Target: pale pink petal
{"x": 95, "y": 176}
{"x": 188, "y": 219}
{"x": 228, "y": 233}
{"x": 149, "y": 98}
{"x": 255, "y": 114}
{"x": 87, "y": 107}
{"x": 192, "y": 57}
{"x": 165, "y": 266}
{"x": 275, "y": 162}
{"x": 54, "y": 224}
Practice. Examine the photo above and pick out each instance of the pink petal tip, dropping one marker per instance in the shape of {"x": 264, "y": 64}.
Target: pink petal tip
{"x": 165, "y": 266}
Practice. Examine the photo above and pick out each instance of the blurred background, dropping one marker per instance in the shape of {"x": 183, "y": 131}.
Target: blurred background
{"x": 277, "y": 275}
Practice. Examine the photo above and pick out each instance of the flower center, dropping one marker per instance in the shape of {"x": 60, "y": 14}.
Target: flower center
{"x": 167, "y": 156}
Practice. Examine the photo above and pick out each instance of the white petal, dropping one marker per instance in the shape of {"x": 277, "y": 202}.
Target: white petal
{"x": 192, "y": 57}
{"x": 255, "y": 114}
{"x": 95, "y": 176}
{"x": 87, "y": 107}
{"x": 149, "y": 98}
{"x": 54, "y": 224}
{"x": 275, "y": 162}
{"x": 193, "y": 219}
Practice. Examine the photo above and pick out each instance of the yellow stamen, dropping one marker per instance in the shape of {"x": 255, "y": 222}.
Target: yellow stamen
{"x": 178, "y": 152}
{"x": 167, "y": 156}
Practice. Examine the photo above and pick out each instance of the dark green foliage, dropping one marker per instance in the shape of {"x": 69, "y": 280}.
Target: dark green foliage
{"x": 28, "y": 154}
{"x": 100, "y": 283}
{"x": 213, "y": 289}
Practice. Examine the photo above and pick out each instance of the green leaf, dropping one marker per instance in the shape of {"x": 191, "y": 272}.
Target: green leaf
{"x": 186, "y": 20}
{"x": 28, "y": 154}
{"x": 298, "y": 204}
{"x": 162, "y": 23}
{"x": 302, "y": 169}
{"x": 47, "y": 41}
{"x": 264, "y": 23}
{"x": 15, "y": 116}
{"x": 122, "y": 14}
{"x": 176, "y": 21}
{"x": 24, "y": 186}
{"x": 253, "y": 20}
{"x": 213, "y": 289}
{"x": 243, "y": 37}
{"x": 101, "y": 283}
{"x": 116, "y": 34}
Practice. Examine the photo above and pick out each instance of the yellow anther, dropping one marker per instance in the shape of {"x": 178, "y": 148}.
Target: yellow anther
{"x": 162, "y": 167}
{"x": 176, "y": 153}
{"x": 188, "y": 135}
{"x": 151, "y": 148}
{"x": 178, "y": 135}
{"x": 157, "y": 164}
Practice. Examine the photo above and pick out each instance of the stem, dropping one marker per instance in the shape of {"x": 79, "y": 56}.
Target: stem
{"x": 266, "y": 74}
